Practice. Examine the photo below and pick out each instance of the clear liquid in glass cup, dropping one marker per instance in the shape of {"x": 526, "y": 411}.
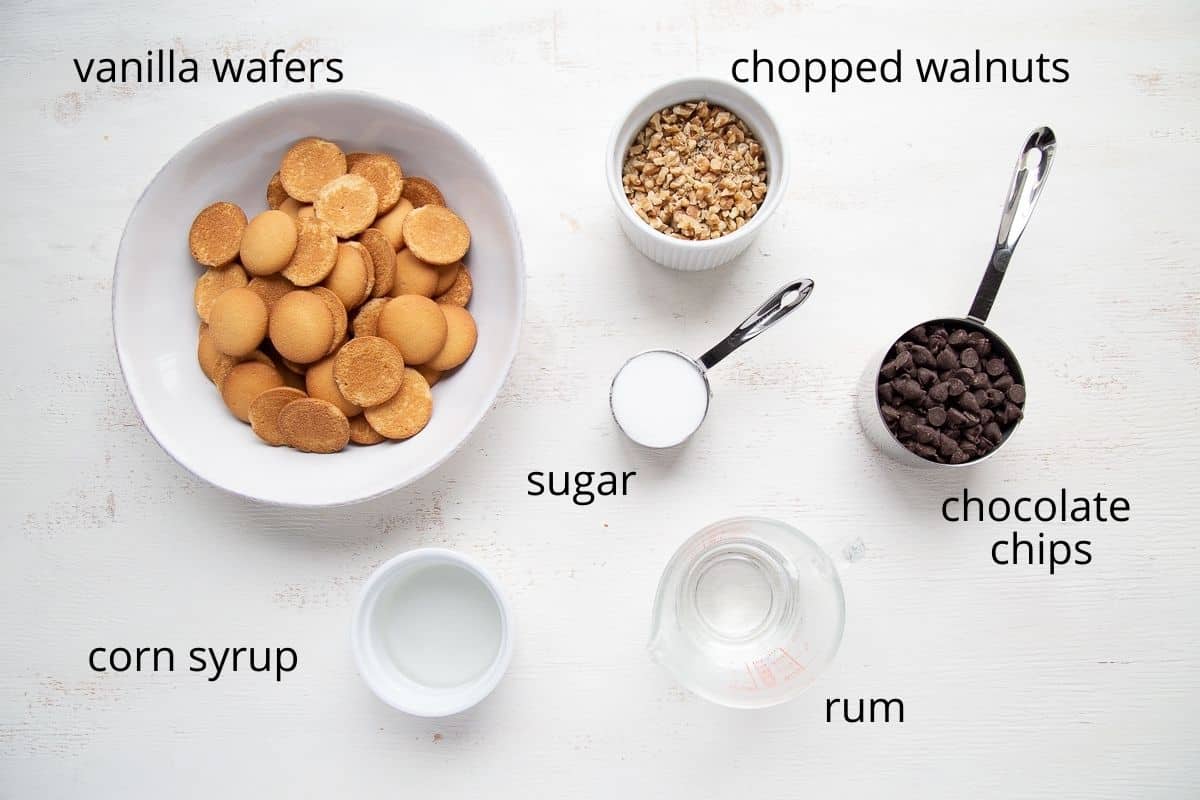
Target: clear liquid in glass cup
{"x": 749, "y": 611}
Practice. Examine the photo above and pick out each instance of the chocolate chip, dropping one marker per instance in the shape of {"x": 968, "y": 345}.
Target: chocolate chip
{"x": 969, "y": 358}
{"x": 908, "y": 422}
{"x": 964, "y": 374}
{"x": 936, "y": 416}
{"x": 923, "y": 450}
{"x": 925, "y": 434}
{"x": 886, "y": 392}
{"x": 958, "y": 337}
{"x": 981, "y": 381}
{"x": 1016, "y": 393}
{"x": 919, "y": 335}
{"x": 993, "y": 432}
{"x": 995, "y": 397}
{"x": 981, "y": 343}
{"x": 939, "y": 392}
{"x": 947, "y": 359}
{"x": 926, "y": 376}
{"x": 955, "y": 387}
{"x": 904, "y": 361}
{"x": 995, "y": 367}
{"x": 890, "y": 415}
{"x": 955, "y": 418}
{"x": 922, "y": 356}
{"x": 1003, "y": 383}
{"x": 968, "y": 402}
{"x": 909, "y": 389}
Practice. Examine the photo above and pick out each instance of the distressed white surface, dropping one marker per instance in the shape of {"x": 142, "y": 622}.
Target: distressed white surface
{"x": 1016, "y": 683}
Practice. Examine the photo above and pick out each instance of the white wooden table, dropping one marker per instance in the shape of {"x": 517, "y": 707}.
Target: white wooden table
{"x": 1015, "y": 683}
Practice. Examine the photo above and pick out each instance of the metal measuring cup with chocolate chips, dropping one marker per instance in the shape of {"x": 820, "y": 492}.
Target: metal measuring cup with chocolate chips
{"x": 949, "y": 394}
{"x": 950, "y": 391}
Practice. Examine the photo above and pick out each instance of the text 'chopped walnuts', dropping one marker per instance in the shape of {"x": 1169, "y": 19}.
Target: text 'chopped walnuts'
{"x": 695, "y": 172}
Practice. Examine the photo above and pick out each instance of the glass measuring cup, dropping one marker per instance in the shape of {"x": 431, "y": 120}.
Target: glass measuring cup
{"x": 749, "y": 611}
{"x": 660, "y": 397}
{"x": 1028, "y": 180}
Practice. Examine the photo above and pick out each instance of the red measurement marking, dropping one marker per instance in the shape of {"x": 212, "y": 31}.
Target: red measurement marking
{"x": 793, "y": 659}
{"x": 765, "y": 673}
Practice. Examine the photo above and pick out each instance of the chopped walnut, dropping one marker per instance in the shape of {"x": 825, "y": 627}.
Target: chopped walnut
{"x": 695, "y": 172}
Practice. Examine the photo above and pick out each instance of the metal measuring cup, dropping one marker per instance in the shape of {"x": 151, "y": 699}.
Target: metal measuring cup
{"x": 1029, "y": 177}
{"x": 778, "y": 306}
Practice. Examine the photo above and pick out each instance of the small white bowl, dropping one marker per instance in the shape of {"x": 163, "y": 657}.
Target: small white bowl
{"x": 378, "y": 669}
{"x": 155, "y": 324}
{"x": 684, "y": 254}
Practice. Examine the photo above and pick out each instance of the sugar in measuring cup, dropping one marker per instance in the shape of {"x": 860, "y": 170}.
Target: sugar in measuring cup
{"x": 660, "y": 397}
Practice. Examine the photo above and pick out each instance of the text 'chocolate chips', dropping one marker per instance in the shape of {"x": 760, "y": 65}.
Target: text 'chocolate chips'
{"x": 948, "y": 395}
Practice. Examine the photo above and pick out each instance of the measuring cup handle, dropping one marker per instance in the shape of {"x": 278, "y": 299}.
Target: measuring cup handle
{"x": 778, "y": 306}
{"x": 1029, "y": 176}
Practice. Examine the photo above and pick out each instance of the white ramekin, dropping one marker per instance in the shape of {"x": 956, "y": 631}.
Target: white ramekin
{"x": 393, "y": 687}
{"x": 683, "y": 254}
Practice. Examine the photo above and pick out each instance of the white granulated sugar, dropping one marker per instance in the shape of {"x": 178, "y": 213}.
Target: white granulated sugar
{"x": 659, "y": 398}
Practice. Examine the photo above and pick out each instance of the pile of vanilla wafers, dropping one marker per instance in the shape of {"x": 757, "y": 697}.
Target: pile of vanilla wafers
{"x": 326, "y": 318}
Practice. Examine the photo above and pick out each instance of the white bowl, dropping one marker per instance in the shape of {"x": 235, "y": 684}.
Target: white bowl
{"x": 155, "y": 324}
{"x": 378, "y": 670}
{"x": 683, "y": 254}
